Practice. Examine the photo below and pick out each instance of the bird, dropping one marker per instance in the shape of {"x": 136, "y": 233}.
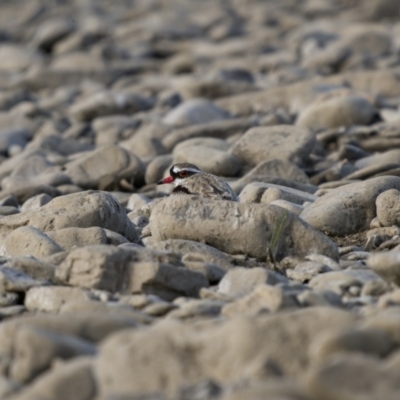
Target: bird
{"x": 189, "y": 179}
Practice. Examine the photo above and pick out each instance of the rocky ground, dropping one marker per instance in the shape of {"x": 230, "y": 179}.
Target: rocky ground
{"x": 110, "y": 289}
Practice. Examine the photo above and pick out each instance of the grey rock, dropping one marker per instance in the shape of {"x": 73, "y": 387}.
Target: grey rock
{"x": 336, "y": 112}
{"x": 51, "y": 31}
{"x": 194, "y": 111}
{"x": 268, "y": 192}
{"x": 221, "y": 129}
{"x": 207, "y": 253}
{"x": 104, "y": 166}
{"x": 284, "y": 142}
{"x": 35, "y": 350}
{"x": 12, "y": 280}
{"x": 96, "y": 267}
{"x": 387, "y": 207}
{"x": 29, "y": 241}
{"x": 261, "y": 227}
{"x": 348, "y": 209}
{"x": 213, "y": 161}
{"x": 51, "y": 298}
{"x": 82, "y": 210}
{"x": 156, "y": 168}
{"x": 264, "y": 298}
{"x": 72, "y": 379}
{"x": 239, "y": 281}
{"x": 108, "y": 103}
{"x": 68, "y": 238}
{"x": 387, "y": 265}
{"x": 36, "y": 202}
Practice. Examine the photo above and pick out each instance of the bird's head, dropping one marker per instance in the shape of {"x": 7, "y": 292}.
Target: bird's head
{"x": 180, "y": 172}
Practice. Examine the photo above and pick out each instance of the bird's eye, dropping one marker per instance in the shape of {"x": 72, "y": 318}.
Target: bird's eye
{"x": 182, "y": 174}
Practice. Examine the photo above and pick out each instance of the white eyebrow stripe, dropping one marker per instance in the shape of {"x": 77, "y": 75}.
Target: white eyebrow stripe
{"x": 186, "y": 169}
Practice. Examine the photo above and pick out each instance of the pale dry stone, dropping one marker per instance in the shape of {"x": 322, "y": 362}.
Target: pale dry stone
{"x": 108, "y": 103}
{"x": 165, "y": 280}
{"x": 240, "y": 281}
{"x": 68, "y": 238}
{"x": 240, "y": 349}
{"x": 194, "y": 111}
{"x": 264, "y": 298}
{"x": 96, "y": 267}
{"x": 12, "y": 280}
{"x": 73, "y": 379}
{"x": 36, "y": 202}
{"x": 388, "y": 207}
{"x": 52, "y": 298}
{"x": 238, "y": 228}
{"x": 220, "y": 129}
{"x": 350, "y": 208}
{"x": 35, "y": 350}
{"x": 336, "y": 112}
{"x": 368, "y": 341}
{"x": 29, "y": 241}
{"x": 130, "y": 271}
{"x": 208, "y": 253}
{"x": 213, "y": 161}
{"x": 259, "y": 192}
{"x": 79, "y": 210}
{"x": 285, "y": 142}
{"x": 387, "y": 265}
{"x": 104, "y": 166}
{"x": 335, "y": 379}
{"x": 279, "y": 169}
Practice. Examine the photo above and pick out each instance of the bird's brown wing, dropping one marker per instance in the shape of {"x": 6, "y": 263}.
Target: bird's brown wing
{"x": 207, "y": 185}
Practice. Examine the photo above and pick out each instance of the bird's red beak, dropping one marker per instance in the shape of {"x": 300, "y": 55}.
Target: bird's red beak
{"x": 168, "y": 179}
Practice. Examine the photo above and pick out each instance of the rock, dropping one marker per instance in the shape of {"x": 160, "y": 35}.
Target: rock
{"x": 144, "y": 147}
{"x": 136, "y": 201}
{"x": 220, "y": 129}
{"x": 245, "y": 346}
{"x": 197, "y": 308}
{"x": 105, "y": 166}
{"x": 238, "y": 282}
{"x": 96, "y": 267}
{"x": 369, "y": 341}
{"x": 261, "y": 227}
{"x": 207, "y": 253}
{"x": 387, "y": 265}
{"x": 267, "y": 192}
{"x": 209, "y": 160}
{"x": 12, "y": 280}
{"x": 335, "y": 379}
{"x": 29, "y": 241}
{"x": 287, "y": 205}
{"x": 68, "y": 238}
{"x": 264, "y": 298}
{"x": 305, "y": 271}
{"x": 35, "y": 349}
{"x": 210, "y": 142}
{"x": 194, "y": 111}
{"x": 166, "y": 281}
{"x": 340, "y": 282}
{"x": 52, "y": 298}
{"x": 36, "y": 202}
{"x": 82, "y": 210}
{"x": 279, "y": 169}
{"x": 51, "y": 31}
{"x": 113, "y": 128}
{"x": 156, "y": 168}
{"x": 336, "y": 112}
{"x": 13, "y": 138}
{"x": 16, "y": 58}
{"x": 387, "y": 207}
{"x": 108, "y": 103}
{"x": 73, "y": 379}
{"x": 284, "y": 142}
{"x": 348, "y": 209}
